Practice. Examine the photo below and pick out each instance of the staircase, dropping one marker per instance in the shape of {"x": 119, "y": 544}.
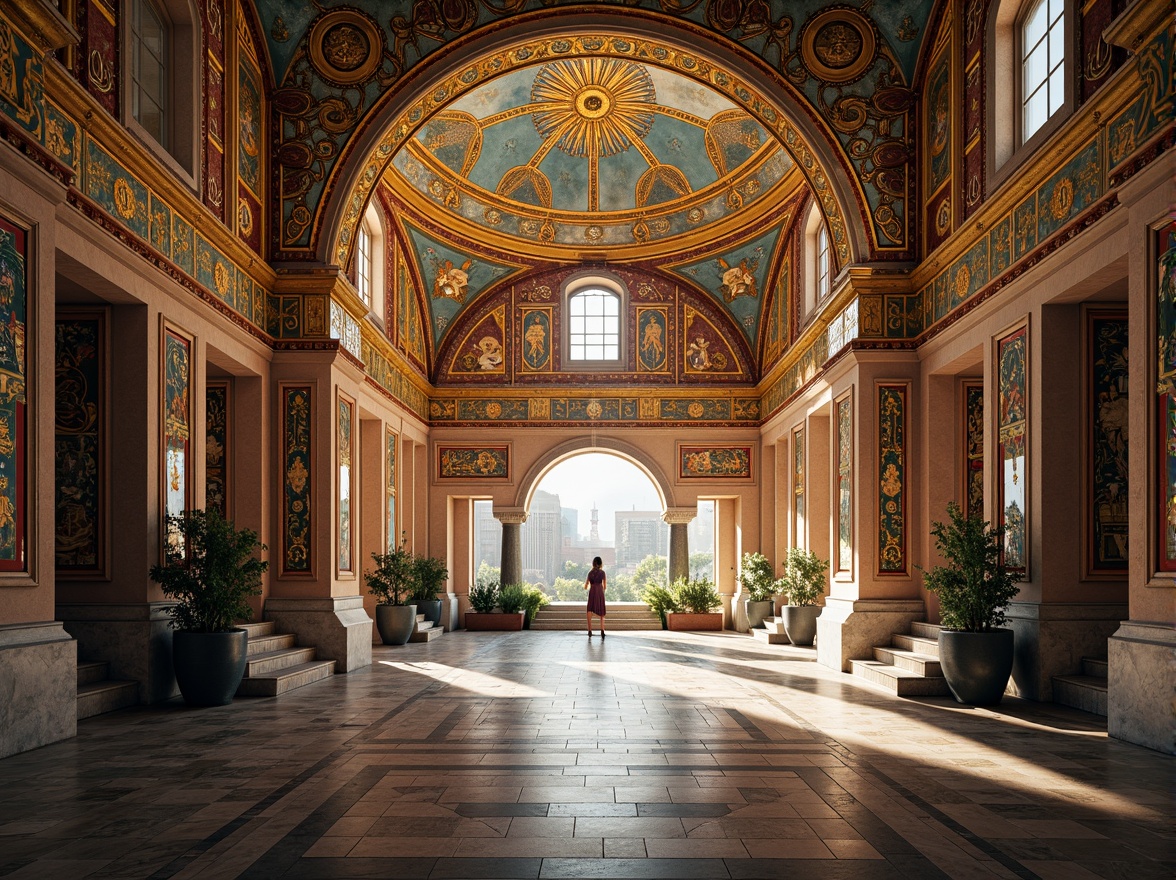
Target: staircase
{"x": 909, "y": 666}
{"x": 771, "y": 632}
{"x": 274, "y": 665}
{"x": 97, "y": 694}
{"x": 425, "y": 630}
{"x": 1086, "y": 691}
{"x": 621, "y": 616}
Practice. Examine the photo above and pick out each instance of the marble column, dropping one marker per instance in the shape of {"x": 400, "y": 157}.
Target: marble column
{"x": 512, "y": 548}
{"x": 678, "y": 519}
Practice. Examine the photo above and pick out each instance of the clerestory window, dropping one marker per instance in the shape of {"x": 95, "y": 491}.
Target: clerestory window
{"x": 1043, "y": 64}
{"x": 594, "y": 325}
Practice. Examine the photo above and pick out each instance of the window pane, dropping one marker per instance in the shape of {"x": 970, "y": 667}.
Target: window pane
{"x": 1056, "y": 90}
{"x": 577, "y": 325}
{"x": 1057, "y": 47}
{"x": 1036, "y": 112}
{"x": 1035, "y": 69}
{"x": 594, "y": 325}
{"x": 1035, "y": 25}
{"x": 611, "y": 353}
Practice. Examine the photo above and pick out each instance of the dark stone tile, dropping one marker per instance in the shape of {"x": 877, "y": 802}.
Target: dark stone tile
{"x": 593, "y": 810}
{"x": 683, "y": 811}
{"x": 642, "y": 869}
{"x": 484, "y": 869}
{"x": 360, "y": 869}
{"x": 410, "y": 826}
{"x": 814, "y": 869}
{"x": 478, "y": 810}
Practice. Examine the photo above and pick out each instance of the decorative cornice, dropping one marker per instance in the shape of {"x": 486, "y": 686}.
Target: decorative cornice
{"x": 42, "y": 23}
{"x": 512, "y": 516}
{"x": 679, "y": 516}
{"x": 1136, "y": 23}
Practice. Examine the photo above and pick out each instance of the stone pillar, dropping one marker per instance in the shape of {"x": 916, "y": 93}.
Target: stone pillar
{"x": 678, "y": 519}
{"x": 512, "y": 548}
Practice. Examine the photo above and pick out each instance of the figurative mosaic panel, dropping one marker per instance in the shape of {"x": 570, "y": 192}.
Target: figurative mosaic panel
{"x": 798, "y": 505}
{"x": 536, "y": 327}
{"x": 80, "y": 443}
{"x": 1107, "y": 436}
{"x": 652, "y": 339}
{"x": 344, "y": 446}
{"x": 473, "y": 462}
{"x": 1166, "y": 396}
{"x": 483, "y": 350}
{"x": 704, "y": 346}
{"x": 973, "y": 449}
{"x": 722, "y": 462}
{"x": 297, "y": 538}
{"x": 844, "y": 463}
{"x": 410, "y": 333}
{"x": 216, "y": 448}
{"x": 390, "y": 441}
{"x": 892, "y": 537}
{"x": 14, "y": 303}
{"x": 177, "y": 429}
{"x": 939, "y": 121}
{"x": 1012, "y": 446}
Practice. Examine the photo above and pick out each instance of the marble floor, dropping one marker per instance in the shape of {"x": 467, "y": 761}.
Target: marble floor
{"x": 549, "y": 755}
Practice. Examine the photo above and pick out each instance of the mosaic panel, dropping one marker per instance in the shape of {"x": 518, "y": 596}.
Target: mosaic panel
{"x": 344, "y": 444}
{"x": 100, "y": 55}
{"x": 177, "y": 429}
{"x": 183, "y": 240}
{"x": 1167, "y": 512}
{"x": 297, "y": 538}
{"x": 973, "y": 449}
{"x": 1012, "y": 446}
{"x": 704, "y": 347}
{"x": 714, "y": 462}
{"x": 892, "y": 537}
{"x": 216, "y": 448}
{"x": 1107, "y": 426}
{"x": 13, "y": 401}
{"x": 160, "y": 223}
{"x": 249, "y": 122}
{"x": 536, "y": 341}
{"x": 694, "y": 409}
{"x": 1166, "y": 396}
{"x": 80, "y": 443}
{"x": 216, "y": 273}
{"x": 390, "y": 441}
{"x": 22, "y": 82}
{"x": 652, "y": 340}
{"x": 737, "y": 279}
{"x": 939, "y": 121}
{"x": 844, "y": 476}
{"x": 500, "y": 409}
{"x": 1070, "y": 191}
{"x": 483, "y": 350}
{"x": 62, "y": 137}
{"x": 115, "y": 190}
{"x": 798, "y": 499}
{"x": 473, "y": 462}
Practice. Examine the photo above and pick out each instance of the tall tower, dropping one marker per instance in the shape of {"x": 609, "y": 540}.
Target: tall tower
{"x": 594, "y": 535}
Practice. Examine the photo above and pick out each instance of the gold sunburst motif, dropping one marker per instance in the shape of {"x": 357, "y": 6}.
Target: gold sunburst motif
{"x": 593, "y": 107}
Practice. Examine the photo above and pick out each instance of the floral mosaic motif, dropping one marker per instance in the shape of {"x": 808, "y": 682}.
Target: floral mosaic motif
{"x": 723, "y": 462}
{"x": 939, "y": 121}
{"x": 79, "y": 444}
{"x": 476, "y": 462}
{"x": 13, "y": 401}
{"x": 390, "y": 490}
{"x": 798, "y": 507}
{"x": 892, "y": 543}
{"x": 845, "y": 484}
{"x": 974, "y": 449}
{"x": 249, "y": 111}
{"x": 177, "y": 426}
{"x": 735, "y": 279}
{"x": 344, "y": 447}
{"x": 22, "y": 82}
{"x": 1167, "y": 517}
{"x": 1108, "y": 441}
{"x": 1012, "y": 434}
{"x": 216, "y": 448}
{"x": 296, "y": 513}
{"x": 704, "y": 346}
{"x": 652, "y": 339}
{"x": 536, "y": 325}
{"x": 1166, "y": 395}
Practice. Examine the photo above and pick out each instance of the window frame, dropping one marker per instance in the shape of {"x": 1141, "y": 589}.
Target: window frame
{"x": 815, "y": 286}
{"x": 1045, "y": 42}
{"x": 371, "y": 225}
{"x": 609, "y": 286}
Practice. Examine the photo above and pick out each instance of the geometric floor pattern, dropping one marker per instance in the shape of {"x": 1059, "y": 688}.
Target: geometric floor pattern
{"x": 549, "y": 755}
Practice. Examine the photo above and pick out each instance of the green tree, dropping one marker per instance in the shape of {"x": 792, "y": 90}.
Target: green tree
{"x": 488, "y": 574}
{"x": 575, "y": 570}
{"x": 650, "y": 570}
{"x": 702, "y": 565}
{"x": 621, "y": 588}
{"x": 568, "y": 590}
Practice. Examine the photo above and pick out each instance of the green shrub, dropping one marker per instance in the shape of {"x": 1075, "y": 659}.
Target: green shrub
{"x": 393, "y": 580}
{"x": 535, "y": 599}
{"x": 804, "y": 577}
{"x": 660, "y": 600}
{"x": 755, "y": 577}
{"x": 974, "y": 588}
{"x": 696, "y": 596}
{"x": 484, "y": 596}
{"x": 429, "y": 574}
{"x": 512, "y": 598}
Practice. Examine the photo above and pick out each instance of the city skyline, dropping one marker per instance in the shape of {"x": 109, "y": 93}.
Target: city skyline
{"x": 607, "y": 482}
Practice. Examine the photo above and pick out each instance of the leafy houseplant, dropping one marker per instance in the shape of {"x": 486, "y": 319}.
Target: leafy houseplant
{"x": 693, "y": 599}
{"x": 393, "y": 582}
{"x": 512, "y": 598}
{"x": 660, "y": 600}
{"x": 974, "y": 589}
{"x": 211, "y": 571}
{"x": 535, "y": 599}
{"x": 429, "y": 574}
{"x": 756, "y": 582}
{"x": 485, "y": 596}
{"x": 804, "y": 582}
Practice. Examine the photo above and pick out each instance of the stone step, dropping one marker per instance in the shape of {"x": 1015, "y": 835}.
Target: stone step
{"x": 775, "y": 625}
{"x": 926, "y": 630}
{"x": 769, "y": 636}
{"x": 100, "y": 697}
{"x": 259, "y": 628}
{"x": 610, "y": 624}
{"x": 901, "y": 682}
{"x": 1085, "y": 692}
{"x": 426, "y": 634}
{"x": 286, "y": 679}
{"x": 920, "y": 664}
{"x": 916, "y": 644}
{"x": 88, "y": 673}
{"x": 266, "y": 644}
{"x": 548, "y": 611}
{"x": 1094, "y": 667}
{"x": 260, "y": 665}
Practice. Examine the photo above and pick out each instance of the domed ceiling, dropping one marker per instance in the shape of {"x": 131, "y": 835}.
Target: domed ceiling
{"x": 592, "y": 153}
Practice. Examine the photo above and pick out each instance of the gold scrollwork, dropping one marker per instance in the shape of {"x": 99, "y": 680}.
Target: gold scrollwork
{"x": 101, "y": 73}
{"x": 124, "y": 199}
{"x": 346, "y": 47}
{"x": 838, "y": 45}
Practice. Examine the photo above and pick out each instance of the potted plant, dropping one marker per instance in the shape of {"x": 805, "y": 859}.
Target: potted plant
{"x": 804, "y": 581}
{"x": 758, "y": 585}
{"x": 695, "y": 600}
{"x": 974, "y": 588}
{"x": 392, "y": 582}
{"x": 429, "y": 574}
{"x": 210, "y": 569}
{"x": 535, "y": 599}
{"x": 660, "y": 601}
{"x": 485, "y": 597}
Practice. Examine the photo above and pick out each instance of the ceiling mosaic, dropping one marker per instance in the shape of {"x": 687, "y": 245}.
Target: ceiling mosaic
{"x": 591, "y": 152}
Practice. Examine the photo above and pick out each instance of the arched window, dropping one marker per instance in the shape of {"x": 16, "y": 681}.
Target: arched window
{"x": 824, "y": 272}
{"x": 1043, "y": 64}
{"x": 369, "y": 263}
{"x": 363, "y": 265}
{"x": 594, "y": 320}
{"x": 161, "y": 90}
{"x": 818, "y": 263}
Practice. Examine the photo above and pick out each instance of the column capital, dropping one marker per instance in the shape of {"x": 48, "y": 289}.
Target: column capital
{"x": 510, "y": 515}
{"x": 679, "y": 516}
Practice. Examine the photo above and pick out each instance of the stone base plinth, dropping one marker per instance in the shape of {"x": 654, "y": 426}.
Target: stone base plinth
{"x": 1141, "y": 683}
{"x": 38, "y": 686}
{"x": 850, "y": 629}
{"x": 338, "y": 627}
{"x": 135, "y": 639}
{"x": 1051, "y": 640}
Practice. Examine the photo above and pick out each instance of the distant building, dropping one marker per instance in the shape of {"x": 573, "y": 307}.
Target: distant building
{"x": 487, "y": 535}
{"x": 541, "y": 539}
{"x": 700, "y": 534}
{"x": 640, "y": 533}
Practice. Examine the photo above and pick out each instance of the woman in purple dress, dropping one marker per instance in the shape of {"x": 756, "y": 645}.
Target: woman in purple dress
{"x": 595, "y": 587}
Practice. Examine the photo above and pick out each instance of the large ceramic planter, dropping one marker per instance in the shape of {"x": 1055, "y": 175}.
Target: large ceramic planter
{"x": 431, "y": 608}
{"x": 757, "y": 611}
{"x": 686, "y": 621}
{"x": 800, "y": 622}
{"x": 977, "y": 665}
{"x": 209, "y": 666}
{"x": 395, "y": 623}
{"x": 495, "y": 620}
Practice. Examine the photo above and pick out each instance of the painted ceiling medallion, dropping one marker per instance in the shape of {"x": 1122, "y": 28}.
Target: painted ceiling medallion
{"x": 346, "y": 47}
{"x": 839, "y": 45}
{"x": 592, "y": 107}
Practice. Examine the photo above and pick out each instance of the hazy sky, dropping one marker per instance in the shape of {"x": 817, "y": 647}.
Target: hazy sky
{"x": 605, "y": 481}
